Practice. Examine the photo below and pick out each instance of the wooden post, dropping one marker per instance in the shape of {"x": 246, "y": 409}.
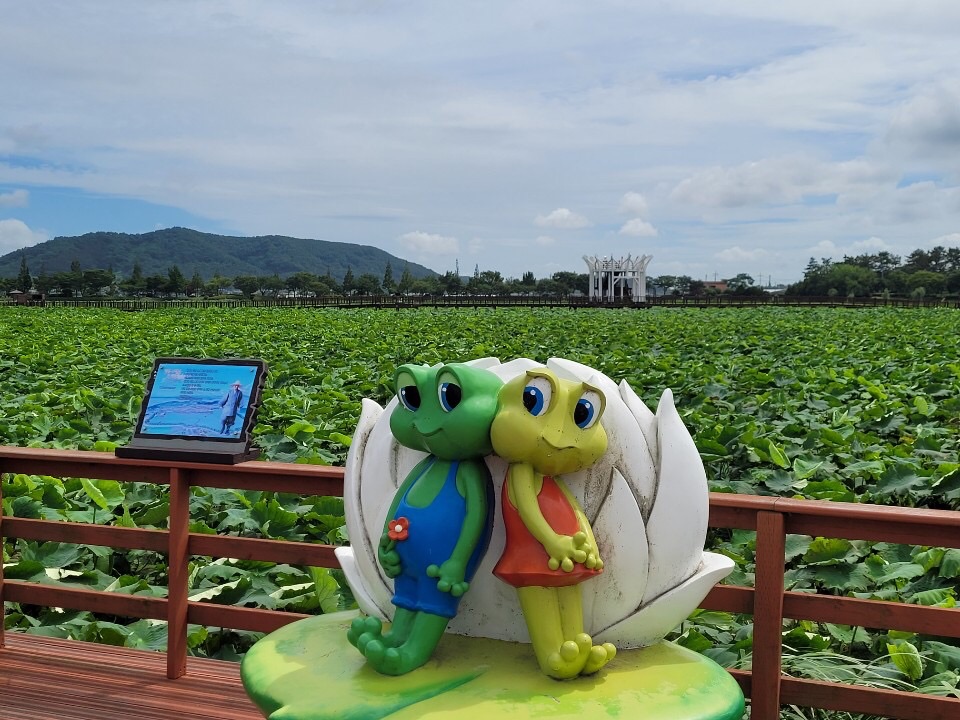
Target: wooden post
{"x": 768, "y": 617}
{"x": 177, "y": 560}
{"x": 3, "y": 608}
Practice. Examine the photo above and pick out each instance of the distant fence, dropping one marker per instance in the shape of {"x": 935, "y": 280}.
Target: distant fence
{"x": 400, "y": 302}
{"x": 703, "y": 301}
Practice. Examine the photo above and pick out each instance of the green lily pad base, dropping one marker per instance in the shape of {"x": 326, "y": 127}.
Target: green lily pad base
{"x": 308, "y": 671}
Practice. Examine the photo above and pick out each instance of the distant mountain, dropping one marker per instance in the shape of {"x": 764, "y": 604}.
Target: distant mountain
{"x": 208, "y": 254}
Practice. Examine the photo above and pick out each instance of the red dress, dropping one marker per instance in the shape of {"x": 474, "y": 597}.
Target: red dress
{"x": 524, "y": 561}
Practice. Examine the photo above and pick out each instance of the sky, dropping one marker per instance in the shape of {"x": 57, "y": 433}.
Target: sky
{"x": 718, "y": 137}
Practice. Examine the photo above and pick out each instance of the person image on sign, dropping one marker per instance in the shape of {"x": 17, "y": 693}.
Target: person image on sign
{"x": 231, "y": 406}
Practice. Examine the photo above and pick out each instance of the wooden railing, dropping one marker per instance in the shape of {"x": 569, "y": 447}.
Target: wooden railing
{"x": 772, "y": 518}
{"x": 177, "y": 542}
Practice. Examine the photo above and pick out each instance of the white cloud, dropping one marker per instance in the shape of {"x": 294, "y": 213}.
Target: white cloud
{"x": 638, "y": 228}
{"x": 17, "y": 198}
{"x": 633, "y": 203}
{"x": 14, "y": 234}
{"x": 738, "y": 254}
{"x": 778, "y": 180}
{"x": 544, "y": 240}
{"x": 825, "y": 248}
{"x": 872, "y": 243}
{"x": 928, "y": 124}
{"x": 430, "y": 243}
{"x": 916, "y": 204}
{"x": 953, "y": 239}
{"x": 562, "y": 218}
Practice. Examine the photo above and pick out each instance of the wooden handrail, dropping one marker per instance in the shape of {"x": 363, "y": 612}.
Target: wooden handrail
{"x": 772, "y": 517}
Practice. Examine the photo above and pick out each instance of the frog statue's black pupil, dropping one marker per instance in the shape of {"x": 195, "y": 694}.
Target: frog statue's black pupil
{"x": 411, "y": 395}
{"x": 581, "y": 413}
{"x": 454, "y": 395}
{"x": 529, "y": 399}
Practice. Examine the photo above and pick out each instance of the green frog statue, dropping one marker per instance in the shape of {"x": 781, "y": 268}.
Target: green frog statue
{"x": 439, "y": 523}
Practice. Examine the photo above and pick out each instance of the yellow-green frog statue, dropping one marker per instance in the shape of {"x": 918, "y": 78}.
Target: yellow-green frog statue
{"x": 547, "y": 426}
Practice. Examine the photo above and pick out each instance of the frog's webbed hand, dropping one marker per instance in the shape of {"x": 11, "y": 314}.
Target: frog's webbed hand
{"x": 389, "y": 558}
{"x": 450, "y": 577}
{"x": 593, "y": 560}
{"x": 567, "y": 550}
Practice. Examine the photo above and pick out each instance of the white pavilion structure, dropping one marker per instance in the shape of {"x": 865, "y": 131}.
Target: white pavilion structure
{"x": 618, "y": 280}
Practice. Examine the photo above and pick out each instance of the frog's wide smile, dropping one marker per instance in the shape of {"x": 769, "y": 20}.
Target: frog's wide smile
{"x": 431, "y": 433}
{"x": 546, "y": 442}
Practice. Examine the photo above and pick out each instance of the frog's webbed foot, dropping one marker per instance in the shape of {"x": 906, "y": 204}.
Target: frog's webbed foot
{"x": 397, "y": 660}
{"x": 579, "y": 657}
{"x": 363, "y": 630}
{"x": 366, "y": 633}
{"x": 600, "y": 655}
{"x": 570, "y": 658}
{"x": 374, "y": 650}
{"x": 397, "y": 655}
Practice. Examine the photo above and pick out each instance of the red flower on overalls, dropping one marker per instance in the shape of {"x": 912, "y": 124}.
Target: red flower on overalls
{"x": 397, "y": 529}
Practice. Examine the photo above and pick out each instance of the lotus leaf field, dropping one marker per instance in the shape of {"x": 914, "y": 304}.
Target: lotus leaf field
{"x": 848, "y": 405}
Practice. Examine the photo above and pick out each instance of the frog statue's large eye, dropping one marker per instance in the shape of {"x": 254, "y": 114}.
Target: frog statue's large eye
{"x": 537, "y": 395}
{"x": 587, "y": 410}
{"x": 450, "y": 394}
{"x": 410, "y": 397}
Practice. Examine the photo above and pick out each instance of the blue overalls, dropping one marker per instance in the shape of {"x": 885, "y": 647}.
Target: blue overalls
{"x": 431, "y": 536}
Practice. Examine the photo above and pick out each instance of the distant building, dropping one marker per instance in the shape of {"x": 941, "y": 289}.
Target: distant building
{"x": 26, "y": 298}
{"x": 717, "y": 285}
{"x": 617, "y": 280}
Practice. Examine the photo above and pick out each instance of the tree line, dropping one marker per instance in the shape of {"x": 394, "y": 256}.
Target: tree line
{"x": 684, "y": 285}
{"x": 78, "y": 282}
{"x": 923, "y": 273}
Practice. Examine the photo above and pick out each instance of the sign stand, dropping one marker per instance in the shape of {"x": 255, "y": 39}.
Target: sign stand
{"x": 199, "y": 410}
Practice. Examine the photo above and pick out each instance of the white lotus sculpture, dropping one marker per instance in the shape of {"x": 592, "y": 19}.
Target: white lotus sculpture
{"x": 646, "y": 499}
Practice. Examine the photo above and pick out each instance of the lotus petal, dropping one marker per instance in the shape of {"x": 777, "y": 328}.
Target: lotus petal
{"x": 359, "y": 484}
{"x": 677, "y": 526}
{"x": 617, "y": 592}
{"x": 653, "y": 621}
{"x": 486, "y": 363}
{"x": 646, "y": 420}
{"x": 358, "y": 583}
{"x": 509, "y": 370}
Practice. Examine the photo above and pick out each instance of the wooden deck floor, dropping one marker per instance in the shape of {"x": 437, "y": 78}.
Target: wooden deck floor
{"x": 50, "y": 679}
